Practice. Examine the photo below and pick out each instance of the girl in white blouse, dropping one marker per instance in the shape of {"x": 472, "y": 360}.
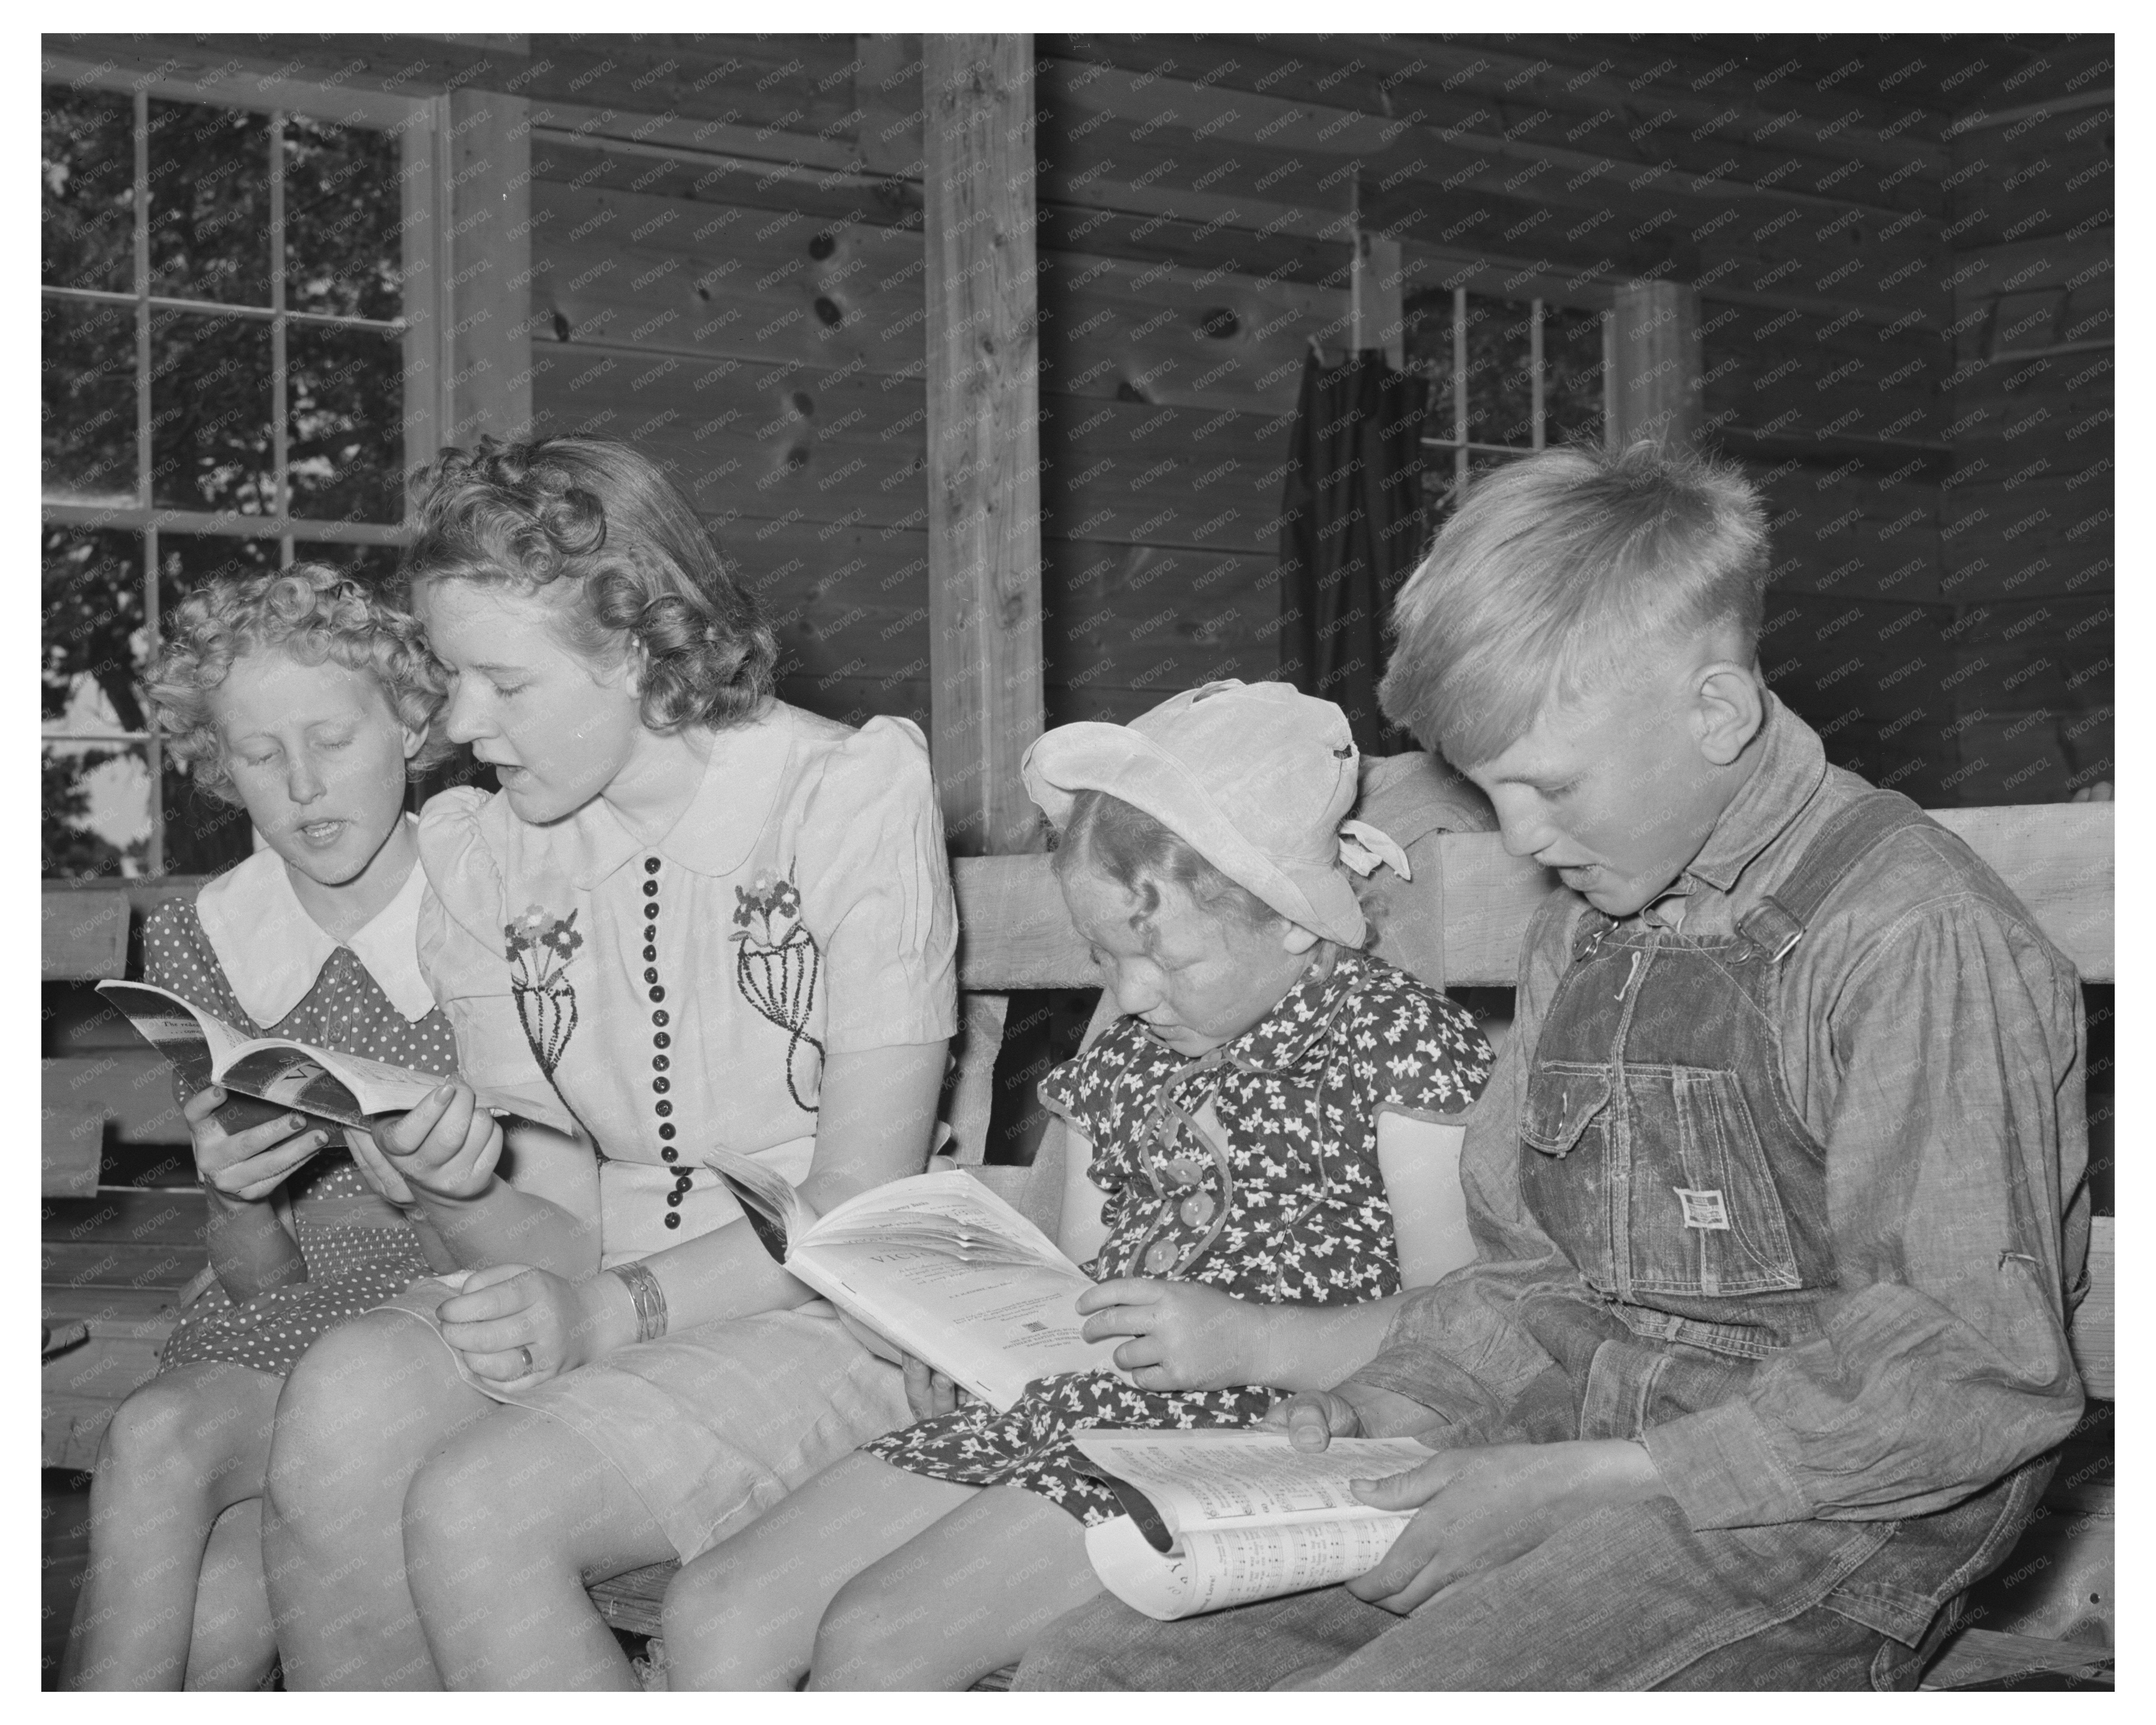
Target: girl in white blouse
{"x": 693, "y": 916}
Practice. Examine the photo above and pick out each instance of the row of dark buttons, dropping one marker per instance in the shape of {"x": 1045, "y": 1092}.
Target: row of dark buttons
{"x": 661, "y": 1040}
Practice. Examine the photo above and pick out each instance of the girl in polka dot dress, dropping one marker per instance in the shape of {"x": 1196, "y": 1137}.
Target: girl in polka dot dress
{"x": 1252, "y": 1150}
{"x": 303, "y": 698}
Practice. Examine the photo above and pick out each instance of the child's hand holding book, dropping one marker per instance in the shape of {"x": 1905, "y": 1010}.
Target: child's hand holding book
{"x": 246, "y": 1166}
{"x": 1184, "y": 1334}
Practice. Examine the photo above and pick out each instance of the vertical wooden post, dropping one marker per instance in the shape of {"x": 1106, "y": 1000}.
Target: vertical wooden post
{"x": 887, "y": 94}
{"x": 484, "y": 159}
{"x": 1376, "y": 298}
{"x": 1652, "y": 376}
{"x": 983, "y": 435}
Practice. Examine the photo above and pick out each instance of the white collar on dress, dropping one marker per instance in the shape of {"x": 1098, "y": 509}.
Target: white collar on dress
{"x": 273, "y": 951}
{"x": 715, "y": 834}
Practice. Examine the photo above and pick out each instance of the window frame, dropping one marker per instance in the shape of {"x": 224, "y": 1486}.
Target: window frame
{"x": 418, "y": 123}
{"x": 1462, "y": 448}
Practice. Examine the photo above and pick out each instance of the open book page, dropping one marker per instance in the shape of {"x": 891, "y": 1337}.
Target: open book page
{"x": 1232, "y": 1566}
{"x": 342, "y": 1087}
{"x": 1235, "y": 1479}
{"x": 778, "y": 1214}
{"x": 956, "y": 1277}
{"x": 192, "y": 1039}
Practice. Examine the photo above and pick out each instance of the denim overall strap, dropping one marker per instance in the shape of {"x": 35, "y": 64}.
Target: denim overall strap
{"x": 1778, "y": 921}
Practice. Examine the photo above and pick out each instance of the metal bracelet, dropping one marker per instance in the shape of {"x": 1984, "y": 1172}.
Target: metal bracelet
{"x": 647, "y": 1296}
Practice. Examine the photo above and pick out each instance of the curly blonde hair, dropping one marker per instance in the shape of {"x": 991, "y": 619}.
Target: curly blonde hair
{"x": 596, "y": 521}
{"x": 309, "y": 612}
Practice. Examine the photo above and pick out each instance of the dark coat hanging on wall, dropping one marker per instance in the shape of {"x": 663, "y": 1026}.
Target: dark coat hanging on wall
{"x": 1351, "y": 532}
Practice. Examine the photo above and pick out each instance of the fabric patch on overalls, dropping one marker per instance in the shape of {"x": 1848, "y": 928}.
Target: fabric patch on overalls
{"x": 1702, "y": 1210}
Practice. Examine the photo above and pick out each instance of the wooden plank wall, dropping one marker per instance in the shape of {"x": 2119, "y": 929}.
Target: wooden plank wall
{"x": 1941, "y": 602}
{"x": 728, "y": 267}
{"x": 1195, "y": 205}
{"x": 2028, "y": 523}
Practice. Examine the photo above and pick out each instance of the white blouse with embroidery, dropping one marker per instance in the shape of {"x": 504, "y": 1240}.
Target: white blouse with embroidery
{"x": 685, "y": 994}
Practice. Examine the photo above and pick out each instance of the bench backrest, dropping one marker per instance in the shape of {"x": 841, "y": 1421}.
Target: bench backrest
{"x": 2057, "y": 857}
{"x": 1016, "y": 934}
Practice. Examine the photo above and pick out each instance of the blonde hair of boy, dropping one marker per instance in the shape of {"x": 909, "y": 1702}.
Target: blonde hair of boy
{"x": 1555, "y": 573}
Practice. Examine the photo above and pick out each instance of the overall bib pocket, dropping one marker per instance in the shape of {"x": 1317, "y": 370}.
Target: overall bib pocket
{"x": 1566, "y": 1182}
{"x": 1704, "y": 1215}
{"x": 1659, "y": 1187}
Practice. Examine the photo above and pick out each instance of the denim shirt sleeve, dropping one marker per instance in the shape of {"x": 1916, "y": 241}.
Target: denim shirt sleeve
{"x": 1947, "y": 1086}
{"x": 1455, "y": 1347}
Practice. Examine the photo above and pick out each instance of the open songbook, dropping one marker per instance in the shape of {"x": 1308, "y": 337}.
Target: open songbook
{"x": 1219, "y": 1519}
{"x": 938, "y": 1264}
{"x": 290, "y": 1075}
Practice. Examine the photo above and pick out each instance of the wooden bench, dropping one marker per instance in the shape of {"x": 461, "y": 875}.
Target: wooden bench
{"x": 116, "y": 1275}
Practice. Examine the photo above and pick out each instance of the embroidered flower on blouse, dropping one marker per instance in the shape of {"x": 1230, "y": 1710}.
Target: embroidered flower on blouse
{"x": 539, "y": 948}
{"x": 776, "y": 968}
{"x": 524, "y": 933}
{"x": 772, "y": 902}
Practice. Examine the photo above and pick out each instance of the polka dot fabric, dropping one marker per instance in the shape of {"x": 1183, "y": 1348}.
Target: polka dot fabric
{"x": 352, "y": 1267}
{"x": 1298, "y": 1097}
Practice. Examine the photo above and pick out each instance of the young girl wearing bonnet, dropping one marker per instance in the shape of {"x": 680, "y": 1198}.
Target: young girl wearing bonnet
{"x": 1255, "y": 1146}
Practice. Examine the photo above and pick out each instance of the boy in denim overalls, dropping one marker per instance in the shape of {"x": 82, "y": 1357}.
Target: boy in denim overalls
{"x": 1777, "y": 1188}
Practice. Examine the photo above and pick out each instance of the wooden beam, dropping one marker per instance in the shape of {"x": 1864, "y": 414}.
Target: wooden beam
{"x": 1651, "y": 382}
{"x": 1378, "y": 297}
{"x": 983, "y": 435}
{"x": 2096, "y": 1323}
{"x": 72, "y": 1141}
{"x": 1982, "y": 1655}
{"x": 887, "y": 96}
{"x": 1493, "y": 93}
{"x": 85, "y": 933}
{"x": 484, "y": 158}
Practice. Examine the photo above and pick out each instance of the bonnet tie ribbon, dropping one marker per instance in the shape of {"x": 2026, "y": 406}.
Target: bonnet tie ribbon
{"x": 1362, "y": 847}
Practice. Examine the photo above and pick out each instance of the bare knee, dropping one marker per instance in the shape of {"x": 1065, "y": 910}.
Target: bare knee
{"x": 874, "y": 1632}
{"x": 459, "y": 1499}
{"x": 356, "y": 1403}
{"x": 727, "y": 1624}
{"x": 184, "y": 1433}
{"x": 514, "y": 1493}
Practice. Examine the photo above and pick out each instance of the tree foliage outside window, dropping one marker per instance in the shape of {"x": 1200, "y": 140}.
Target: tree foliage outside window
{"x": 223, "y": 388}
{"x": 1507, "y": 376}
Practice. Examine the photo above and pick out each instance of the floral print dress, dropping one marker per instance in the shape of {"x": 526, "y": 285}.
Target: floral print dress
{"x": 1289, "y": 1206}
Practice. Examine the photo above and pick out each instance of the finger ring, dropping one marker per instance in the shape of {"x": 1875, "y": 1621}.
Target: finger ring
{"x": 529, "y": 1368}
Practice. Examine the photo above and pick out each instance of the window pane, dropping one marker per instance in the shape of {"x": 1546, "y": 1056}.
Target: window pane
{"x": 92, "y": 602}
{"x": 375, "y": 564}
{"x": 209, "y": 202}
{"x": 89, "y": 189}
{"x": 87, "y": 448}
{"x": 1500, "y": 354}
{"x": 185, "y": 561}
{"x": 203, "y": 834}
{"x": 1427, "y": 342}
{"x": 96, "y": 810}
{"x": 344, "y": 249}
{"x": 210, "y": 446}
{"x": 344, "y": 435}
{"x": 1572, "y": 375}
